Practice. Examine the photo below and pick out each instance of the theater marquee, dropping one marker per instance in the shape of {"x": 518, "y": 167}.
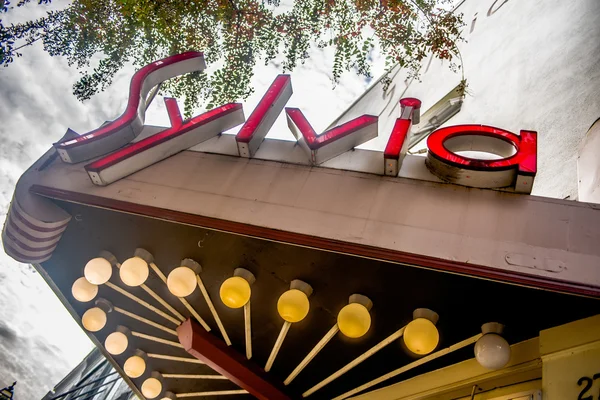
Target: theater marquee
{"x": 117, "y": 155}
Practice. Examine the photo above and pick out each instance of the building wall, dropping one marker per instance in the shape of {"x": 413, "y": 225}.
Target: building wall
{"x": 529, "y": 64}
{"x": 571, "y": 356}
{"x": 588, "y": 166}
{"x": 93, "y": 379}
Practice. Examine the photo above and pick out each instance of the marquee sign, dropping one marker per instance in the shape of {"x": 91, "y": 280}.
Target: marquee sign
{"x": 119, "y": 157}
{"x": 518, "y": 166}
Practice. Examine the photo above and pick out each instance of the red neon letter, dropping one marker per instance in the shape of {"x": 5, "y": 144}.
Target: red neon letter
{"x": 516, "y": 169}
{"x": 333, "y": 142}
{"x": 125, "y": 128}
{"x": 181, "y": 136}
{"x": 264, "y": 115}
{"x": 397, "y": 145}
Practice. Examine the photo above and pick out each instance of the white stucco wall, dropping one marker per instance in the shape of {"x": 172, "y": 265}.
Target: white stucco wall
{"x": 531, "y": 65}
{"x": 588, "y": 166}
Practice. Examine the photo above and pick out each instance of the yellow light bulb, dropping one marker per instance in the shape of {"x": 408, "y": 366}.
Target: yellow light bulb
{"x": 293, "y": 305}
{"x": 97, "y": 271}
{"x": 94, "y": 319}
{"x": 134, "y": 271}
{"x": 421, "y": 336}
{"x": 235, "y": 292}
{"x": 116, "y": 343}
{"x": 83, "y": 290}
{"x": 354, "y": 320}
{"x": 134, "y": 366}
{"x": 182, "y": 281}
{"x": 151, "y": 388}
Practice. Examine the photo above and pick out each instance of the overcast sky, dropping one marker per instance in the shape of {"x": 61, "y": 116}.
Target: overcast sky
{"x": 39, "y": 341}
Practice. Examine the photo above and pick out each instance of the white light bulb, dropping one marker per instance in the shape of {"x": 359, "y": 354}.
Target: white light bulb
{"x": 134, "y": 366}
{"x": 492, "y": 351}
{"x": 97, "y": 271}
{"x": 94, "y": 319}
{"x": 116, "y": 343}
{"x": 151, "y": 388}
{"x": 182, "y": 281}
{"x": 134, "y": 271}
{"x": 83, "y": 290}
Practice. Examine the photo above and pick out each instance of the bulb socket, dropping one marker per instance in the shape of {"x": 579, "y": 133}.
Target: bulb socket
{"x": 244, "y": 273}
{"x": 361, "y": 299}
{"x": 108, "y": 256}
{"x": 144, "y": 255}
{"x": 191, "y": 264}
{"x": 427, "y": 314}
{"x": 169, "y": 395}
{"x": 124, "y": 330}
{"x": 492, "y": 327}
{"x": 142, "y": 354}
{"x": 104, "y": 305}
{"x": 301, "y": 286}
{"x": 157, "y": 375}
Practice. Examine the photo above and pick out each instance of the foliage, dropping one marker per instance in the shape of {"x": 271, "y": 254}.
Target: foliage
{"x": 234, "y": 35}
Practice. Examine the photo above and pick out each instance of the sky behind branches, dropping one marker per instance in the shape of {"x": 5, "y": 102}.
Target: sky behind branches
{"x": 39, "y": 341}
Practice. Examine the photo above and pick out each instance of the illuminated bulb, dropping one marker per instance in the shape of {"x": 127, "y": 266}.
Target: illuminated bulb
{"x": 83, "y": 290}
{"x": 94, "y": 319}
{"x": 492, "y": 351}
{"x": 116, "y": 343}
{"x": 134, "y": 271}
{"x": 151, "y": 388}
{"x": 182, "y": 281}
{"x": 97, "y": 271}
{"x": 421, "y": 336}
{"x": 134, "y": 366}
{"x": 354, "y": 320}
{"x": 293, "y": 305}
{"x": 235, "y": 292}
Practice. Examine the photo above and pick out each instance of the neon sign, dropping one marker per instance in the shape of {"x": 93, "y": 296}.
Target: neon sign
{"x": 518, "y": 166}
{"x": 118, "y": 157}
{"x": 128, "y": 126}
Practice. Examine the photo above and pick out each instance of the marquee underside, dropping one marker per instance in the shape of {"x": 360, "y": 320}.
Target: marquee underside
{"x": 463, "y": 303}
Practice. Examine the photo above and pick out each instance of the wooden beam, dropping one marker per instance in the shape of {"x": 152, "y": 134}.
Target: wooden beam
{"x": 226, "y": 361}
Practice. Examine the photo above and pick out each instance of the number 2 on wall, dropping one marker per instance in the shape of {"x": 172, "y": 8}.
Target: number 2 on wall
{"x": 588, "y": 385}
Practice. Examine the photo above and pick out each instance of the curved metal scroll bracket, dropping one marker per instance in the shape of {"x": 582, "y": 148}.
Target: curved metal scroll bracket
{"x": 34, "y": 224}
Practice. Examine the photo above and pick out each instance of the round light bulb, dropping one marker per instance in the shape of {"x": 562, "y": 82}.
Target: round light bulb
{"x": 354, "y": 320}
{"x": 492, "y": 351}
{"x": 83, "y": 290}
{"x": 97, "y": 271}
{"x": 182, "y": 281}
{"x": 151, "y": 388}
{"x": 94, "y": 319}
{"x": 235, "y": 292}
{"x": 293, "y": 305}
{"x": 134, "y": 366}
{"x": 421, "y": 336}
{"x": 116, "y": 343}
{"x": 134, "y": 271}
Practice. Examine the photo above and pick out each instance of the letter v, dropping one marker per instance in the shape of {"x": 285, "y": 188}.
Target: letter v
{"x": 333, "y": 142}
